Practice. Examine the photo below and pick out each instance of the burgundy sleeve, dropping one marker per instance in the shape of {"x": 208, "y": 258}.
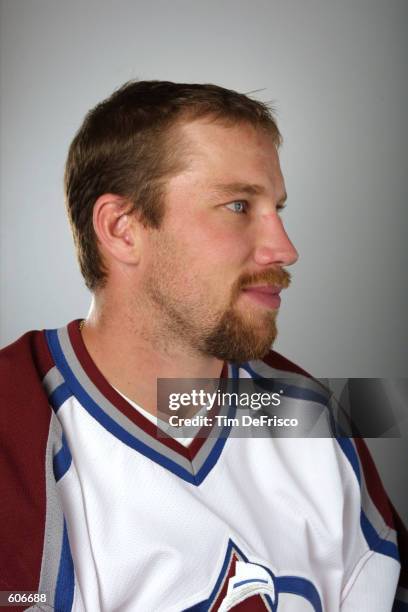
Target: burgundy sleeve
{"x": 24, "y": 424}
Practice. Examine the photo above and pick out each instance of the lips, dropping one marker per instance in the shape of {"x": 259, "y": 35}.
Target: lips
{"x": 267, "y": 289}
{"x": 266, "y": 295}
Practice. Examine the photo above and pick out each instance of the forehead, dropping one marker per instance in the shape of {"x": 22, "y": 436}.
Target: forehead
{"x": 237, "y": 153}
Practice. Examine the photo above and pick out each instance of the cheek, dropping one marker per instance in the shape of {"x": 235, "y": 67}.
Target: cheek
{"x": 176, "y": 266}
{"x": 199, "y": 261}
{"x": 216, "y": 242}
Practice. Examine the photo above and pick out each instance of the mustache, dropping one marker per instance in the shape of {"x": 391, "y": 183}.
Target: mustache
{"x": 279, "y": 277}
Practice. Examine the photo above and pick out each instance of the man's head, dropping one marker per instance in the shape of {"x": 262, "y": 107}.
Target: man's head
{"x": 197, "y": 170}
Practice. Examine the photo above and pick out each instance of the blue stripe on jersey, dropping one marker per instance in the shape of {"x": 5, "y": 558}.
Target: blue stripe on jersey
{"x": 400, "y": 606}
{"x": 64, "y": 592}
{"x": 302, "y": 587}
{"x": 296, "y": 392}
{"x": 385, "y": 547}
{"x": 256, "y": 580}
{"x": 292, "y": 391}
{"x": 212, "y": 457}
{"x": 348, "y": 449}
{"x": 373, "y": 539}
{"x": 59, "y": 396}
{"x": 62, "y": 460}
{"x": 119, "y": 432}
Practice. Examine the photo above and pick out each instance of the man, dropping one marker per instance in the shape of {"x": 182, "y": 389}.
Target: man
{"x": 174, "y": 193}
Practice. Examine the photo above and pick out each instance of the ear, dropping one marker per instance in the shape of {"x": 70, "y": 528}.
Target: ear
{"x": 117, "y": 228}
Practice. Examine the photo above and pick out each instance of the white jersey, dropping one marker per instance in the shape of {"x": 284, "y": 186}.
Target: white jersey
{"x": 149, "y": 524}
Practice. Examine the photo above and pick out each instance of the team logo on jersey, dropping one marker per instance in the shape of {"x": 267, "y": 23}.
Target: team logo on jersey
{"x": 250, "y": 581}
{"x": 246, "y": 586}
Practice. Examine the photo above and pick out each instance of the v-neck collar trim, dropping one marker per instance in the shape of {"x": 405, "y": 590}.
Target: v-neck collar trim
{"x": 120, "y": 418}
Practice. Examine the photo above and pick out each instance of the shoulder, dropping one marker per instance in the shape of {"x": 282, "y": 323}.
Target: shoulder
{"x": 381, "y": 526}
{"x": 279, "y": 362}
{"x": 275, "y": 365}
{"x": 28, "y": 352}
{"x": 23, "y": 366}
{"x": 25, "y": 418}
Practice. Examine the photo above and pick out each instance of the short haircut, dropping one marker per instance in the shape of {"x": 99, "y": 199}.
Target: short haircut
{"x": 128, "y": 145}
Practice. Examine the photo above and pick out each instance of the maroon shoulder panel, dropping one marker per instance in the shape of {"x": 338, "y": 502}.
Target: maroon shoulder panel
{"x": 279, "y": 362}
{"x": 24, "y": 425}
{"x": 384, "y": 505}
{"x": 373, "y": 482}
{"x": 402, "y": 535}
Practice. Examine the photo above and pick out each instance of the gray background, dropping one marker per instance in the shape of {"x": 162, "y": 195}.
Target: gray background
{"x": 336, "y": 72}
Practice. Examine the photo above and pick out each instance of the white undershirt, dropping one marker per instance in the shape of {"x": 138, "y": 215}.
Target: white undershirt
{"x": 153, "y": 419}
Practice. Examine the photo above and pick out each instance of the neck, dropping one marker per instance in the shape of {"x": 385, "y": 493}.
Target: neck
{"x": 132, "y": 352}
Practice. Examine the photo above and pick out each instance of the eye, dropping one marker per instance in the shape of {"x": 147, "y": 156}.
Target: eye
{"x": 238, "y": 206}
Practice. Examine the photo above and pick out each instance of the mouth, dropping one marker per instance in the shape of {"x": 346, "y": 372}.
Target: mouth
{"x": 266, "y": 295}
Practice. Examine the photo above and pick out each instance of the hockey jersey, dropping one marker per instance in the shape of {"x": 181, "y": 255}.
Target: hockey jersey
{"x": 102, "y": 514}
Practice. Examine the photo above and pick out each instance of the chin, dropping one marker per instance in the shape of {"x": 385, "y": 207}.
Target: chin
{"x": 249, "y": 354}
{"x": 240, "y": 337}
{"x": 247, "y": 345}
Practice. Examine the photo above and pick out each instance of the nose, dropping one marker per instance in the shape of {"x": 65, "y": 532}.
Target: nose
{"x": 273, "y": 245}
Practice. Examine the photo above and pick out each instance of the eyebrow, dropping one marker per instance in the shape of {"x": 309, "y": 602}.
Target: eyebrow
{"x": 231, "y": 189}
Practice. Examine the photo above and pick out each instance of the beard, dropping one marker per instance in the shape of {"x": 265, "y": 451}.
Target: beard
{"x": 237, "y": 340}
{"x": 240, "y": 337}
{"x": 233, "y": 334}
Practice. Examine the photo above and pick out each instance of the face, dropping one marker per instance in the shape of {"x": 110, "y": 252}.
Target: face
{"x": 214, "y": 269}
